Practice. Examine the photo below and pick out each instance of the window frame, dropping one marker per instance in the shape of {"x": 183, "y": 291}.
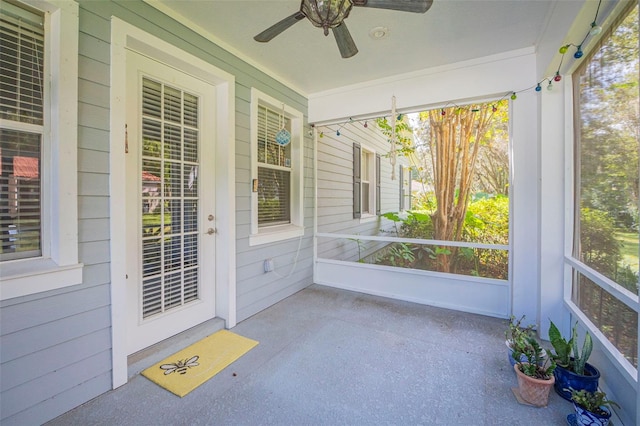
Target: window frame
{"x": 573, "y": 267}
{"x": 366, "y": 157}
{"x": 272, "y": 233}
{"x": 58, "y": 265}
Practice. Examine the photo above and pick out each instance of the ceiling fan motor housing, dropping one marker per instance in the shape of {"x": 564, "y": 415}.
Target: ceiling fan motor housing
{"x": 326, "y": 13}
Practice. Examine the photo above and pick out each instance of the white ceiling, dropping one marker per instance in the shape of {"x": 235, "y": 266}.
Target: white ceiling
{"x": 451, "y": 31}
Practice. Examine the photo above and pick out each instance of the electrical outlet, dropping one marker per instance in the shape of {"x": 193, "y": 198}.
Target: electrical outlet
{"x": 268, "y": 265}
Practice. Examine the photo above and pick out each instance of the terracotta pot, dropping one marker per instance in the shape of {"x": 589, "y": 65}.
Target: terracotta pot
{"x": 532, "y": 390}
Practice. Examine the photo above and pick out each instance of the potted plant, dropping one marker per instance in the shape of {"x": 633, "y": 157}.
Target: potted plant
{"x": 516, "y": 336}
{"x": 573, "y": 371}
{"x": 535, "y": 375}
{"x": 592, "y": 408}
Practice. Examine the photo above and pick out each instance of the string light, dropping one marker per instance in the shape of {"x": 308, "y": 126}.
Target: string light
{"x": 578, "y": 53}
{"x": 594, "y": 30}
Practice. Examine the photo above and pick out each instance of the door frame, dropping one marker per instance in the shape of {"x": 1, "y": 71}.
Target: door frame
{"x": 125, "y": 37}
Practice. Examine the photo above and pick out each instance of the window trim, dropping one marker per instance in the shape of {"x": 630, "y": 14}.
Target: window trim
{"x": 359, "y": 152}
{"x": 268, "y": 234}
{"x": 58, "y": 266}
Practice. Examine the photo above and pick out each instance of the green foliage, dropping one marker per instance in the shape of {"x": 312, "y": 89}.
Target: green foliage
{"x": 580, "y": 357}
{"x": 592, "y": 401}
{"x": 537, "y": 365}
{"x": 404, "y": 141}
{"x": 599, "y": 246}
{"x": 517, "y": 335}
{"x": 487, "y": 221}
{"x": 469, "y": 255}
{"x": 417, "y": 225}
{"x": 568, "y": 353}
{"x": 400, "y": 255}
{"x": 560, "y": 345}
{"x": 609, "y": 125}
{"x": 392, "y": 216}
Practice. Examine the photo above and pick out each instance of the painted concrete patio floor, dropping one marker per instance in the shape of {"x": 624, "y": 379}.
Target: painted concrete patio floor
{"x": 333, "y": 357}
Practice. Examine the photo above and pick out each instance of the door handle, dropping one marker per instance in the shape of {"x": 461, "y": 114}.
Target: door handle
{"x": 211, "y": 231}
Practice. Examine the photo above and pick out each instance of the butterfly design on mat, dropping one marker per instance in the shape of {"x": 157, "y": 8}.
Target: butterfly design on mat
{"x": 180, "y": 366}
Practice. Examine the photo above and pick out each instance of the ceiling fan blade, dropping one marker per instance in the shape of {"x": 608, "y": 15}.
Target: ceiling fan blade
{"x": 416, "y": 6}
{"x": 279, "y": 27}
{"x": 345, "y": 42}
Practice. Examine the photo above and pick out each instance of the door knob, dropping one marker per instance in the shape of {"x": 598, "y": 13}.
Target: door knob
{"x": 211, "y": 231}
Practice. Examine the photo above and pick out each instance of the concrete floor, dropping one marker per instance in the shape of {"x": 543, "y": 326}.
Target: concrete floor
{"x": 333, "y": 357}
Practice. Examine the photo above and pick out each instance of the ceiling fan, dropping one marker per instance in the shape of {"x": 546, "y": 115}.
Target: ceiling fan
{"x": 331, "y": 14}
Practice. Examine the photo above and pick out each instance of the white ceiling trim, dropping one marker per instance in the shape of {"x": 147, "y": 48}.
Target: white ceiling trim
{"x": 426, "y": 72}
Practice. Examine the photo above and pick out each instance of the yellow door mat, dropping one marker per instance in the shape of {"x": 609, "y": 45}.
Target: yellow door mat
{"x": 184, "y": 371}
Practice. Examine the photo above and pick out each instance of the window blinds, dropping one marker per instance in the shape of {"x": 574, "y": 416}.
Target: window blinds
{"x": 21, "y": 65}
{"x": 274, "y": 170}
{"x": 21, "y": 101}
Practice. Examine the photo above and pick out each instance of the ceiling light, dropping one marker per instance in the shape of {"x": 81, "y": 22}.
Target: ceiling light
{"x": 326, "y": 13}
{"x": 378, "y": 33}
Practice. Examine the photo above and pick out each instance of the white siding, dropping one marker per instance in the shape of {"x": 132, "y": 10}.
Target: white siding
{"x": 335, "y": 187}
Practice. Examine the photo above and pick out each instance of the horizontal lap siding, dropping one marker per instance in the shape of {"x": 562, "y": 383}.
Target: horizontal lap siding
{"x": 335, "y": 188}
{"x": 55, "y": 342}
{"x": 55, "y": 347}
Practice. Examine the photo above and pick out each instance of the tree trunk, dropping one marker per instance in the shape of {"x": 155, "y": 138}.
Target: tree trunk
{"x": 455, "y": 138}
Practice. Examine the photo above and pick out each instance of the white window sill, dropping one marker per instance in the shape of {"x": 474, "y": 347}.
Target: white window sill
{"x": 25, "y": 277}
{"x": 275, "y": 233}
{"x": 365, "y": 218}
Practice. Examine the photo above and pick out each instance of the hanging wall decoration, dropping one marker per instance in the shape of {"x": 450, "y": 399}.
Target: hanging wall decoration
{"x": 283, "y": 137}
{"x": 392, "y": 154}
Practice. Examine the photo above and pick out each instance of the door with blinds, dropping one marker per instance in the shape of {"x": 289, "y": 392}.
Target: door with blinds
{"x": 170, "y": 201}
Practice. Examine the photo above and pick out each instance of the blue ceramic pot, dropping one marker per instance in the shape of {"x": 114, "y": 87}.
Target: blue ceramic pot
{"x": 587, "y": 418}
{"x": 512, "y": 360}
{"x": 566, "y": 379}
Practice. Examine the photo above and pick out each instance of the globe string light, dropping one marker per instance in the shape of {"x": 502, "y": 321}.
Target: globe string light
{"x": 594, "y": 30}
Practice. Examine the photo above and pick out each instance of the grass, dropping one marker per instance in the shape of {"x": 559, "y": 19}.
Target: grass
{"x": 629, "y": 249}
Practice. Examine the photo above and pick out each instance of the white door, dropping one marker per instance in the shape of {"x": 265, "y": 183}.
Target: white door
{"x": 170, "y": 201}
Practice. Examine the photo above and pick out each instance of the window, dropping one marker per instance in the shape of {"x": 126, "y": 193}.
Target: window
{"x": 277, "y": 211}
{"x": 38, "y": 143}
{"x": 366, "y": 182}
{"x": 21, "y": 105}
{"x": 404, "y": 182}
{"x": 606, "y": 238}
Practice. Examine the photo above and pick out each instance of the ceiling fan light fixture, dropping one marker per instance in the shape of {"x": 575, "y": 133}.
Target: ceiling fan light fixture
{"x": 326, "y": 13}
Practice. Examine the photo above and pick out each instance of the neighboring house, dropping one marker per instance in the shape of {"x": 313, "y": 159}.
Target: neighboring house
{"x": 355, "y": 186}
{"x": 126, "y": 91}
